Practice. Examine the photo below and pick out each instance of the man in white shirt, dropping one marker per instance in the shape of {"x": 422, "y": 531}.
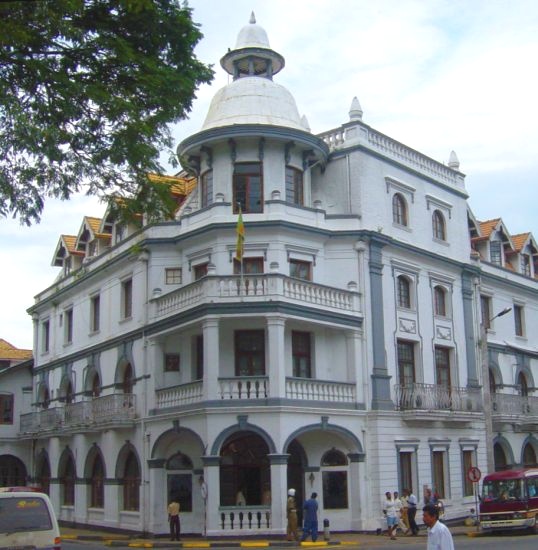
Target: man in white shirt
{"x": 439, "y": 537}
{"x": 389, "y": 509}
{"x": 412, "y": 512}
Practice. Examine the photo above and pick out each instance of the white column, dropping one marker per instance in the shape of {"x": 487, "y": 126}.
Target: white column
{"x": 277, "y": 360}
{"x": 80, "y": 451}
{"x": 354, "y": 362}
{"x": 210, "y": 327}
{"x": 212, "y": 479}
{"x": 357, "y": 492}
{"x": 279, "y": 492}
{"x": 54, "y": 460}
{"x": 157, "y": 514}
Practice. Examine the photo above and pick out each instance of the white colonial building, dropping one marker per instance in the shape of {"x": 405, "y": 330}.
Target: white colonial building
{"x": 345, "y": 359}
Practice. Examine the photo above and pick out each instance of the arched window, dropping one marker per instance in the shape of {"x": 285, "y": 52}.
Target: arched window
{"x": 523, "y": 386}
{"x": 45, "y": 397}
{"x": 499, "y": 457}
{"x": 439, "y": 296}
{"x": 127, "y": 385}
{"x": 404, "y": 292}
{"x": 492, "y": 383}
{"x": 131, "y": 483}
{"x": 438, "y": 225}
{"x": 334, "y": 480}
{"x": 43, "y": 473}
{"x": 97, "y": 488}
{"x": 96, "y": 385}
{"x": 399, "y": 209}
{"x": 179, "y": 481}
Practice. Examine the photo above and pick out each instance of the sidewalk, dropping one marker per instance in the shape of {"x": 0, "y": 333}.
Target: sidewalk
{"x": 343, "y": 539}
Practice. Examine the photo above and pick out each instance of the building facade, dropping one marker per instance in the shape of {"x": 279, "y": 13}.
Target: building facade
{"x": 341, "y": 353}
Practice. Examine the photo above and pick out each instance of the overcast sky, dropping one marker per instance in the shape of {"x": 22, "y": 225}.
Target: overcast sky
{"x": 436, "y": 75}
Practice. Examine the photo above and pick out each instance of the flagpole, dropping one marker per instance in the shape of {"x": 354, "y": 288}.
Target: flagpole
{"x": 239, "y": 248}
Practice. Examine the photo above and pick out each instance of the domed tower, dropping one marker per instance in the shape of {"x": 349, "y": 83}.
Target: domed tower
{"x": 253, "y": 145}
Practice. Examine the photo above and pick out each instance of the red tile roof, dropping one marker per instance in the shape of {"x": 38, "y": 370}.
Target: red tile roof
{"x": 11, "y": 353}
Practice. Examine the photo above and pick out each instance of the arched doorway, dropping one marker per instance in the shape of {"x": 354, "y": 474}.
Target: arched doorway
{"x": 244, "y": 468}
{"x": 499, "y": 457}
{"x": 12, "y": 471}
{"x": 529, "y": 456}
{"x": 179, "y": 481}
{"x": 43, "y": 472}
{"x": 296, "y": 467}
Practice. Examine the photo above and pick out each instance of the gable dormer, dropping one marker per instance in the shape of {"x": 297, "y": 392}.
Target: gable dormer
{"x": 90, "y": 239}
{"x": 66, "y": 254}
{"x": 494, "y": 242}
{"x": 524, "y": 258}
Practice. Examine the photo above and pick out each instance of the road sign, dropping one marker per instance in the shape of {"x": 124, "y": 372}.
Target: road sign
{"x": 474, "y": 474}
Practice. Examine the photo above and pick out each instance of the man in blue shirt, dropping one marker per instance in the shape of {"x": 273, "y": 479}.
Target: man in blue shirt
{"x": 310, "y": 524}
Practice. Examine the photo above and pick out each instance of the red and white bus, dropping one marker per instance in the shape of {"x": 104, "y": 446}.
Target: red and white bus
{"x": 510, "y": 500}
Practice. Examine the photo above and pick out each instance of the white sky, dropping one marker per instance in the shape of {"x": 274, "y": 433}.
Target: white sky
{"x": 436, "y": 75}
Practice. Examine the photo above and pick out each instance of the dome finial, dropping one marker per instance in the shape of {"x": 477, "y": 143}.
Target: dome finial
{"x": 453, "y": 161}
{"x": 252, "y": 19}
{"x": 355, "y": 111}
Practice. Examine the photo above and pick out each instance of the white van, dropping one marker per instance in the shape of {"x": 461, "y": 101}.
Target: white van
{"x": 27, "y": 519}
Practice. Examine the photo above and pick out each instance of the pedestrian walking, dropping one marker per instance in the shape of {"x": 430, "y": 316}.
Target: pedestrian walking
{"x": 412, "y": 512}
{"x": 310, "y": 521}
{"x": 389, "y": 510}
{"x": 399, "y": 513}
{"x": 439, "y": 537}
{"x": 173, "y": 519}
{"x": 291, "y": 514}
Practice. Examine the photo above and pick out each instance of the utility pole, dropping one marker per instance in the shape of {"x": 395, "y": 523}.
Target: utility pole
{"x": 486, "y": 389}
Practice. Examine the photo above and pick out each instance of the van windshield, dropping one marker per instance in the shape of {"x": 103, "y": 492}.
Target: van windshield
{"x": 503, "y": 490}
{"x": 24, "y": 514}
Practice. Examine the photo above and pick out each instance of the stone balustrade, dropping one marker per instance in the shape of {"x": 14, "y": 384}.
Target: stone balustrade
{"x": 261, "y": 287}
{"x": 514, "y": 405}
{"x": 320, "y": 390}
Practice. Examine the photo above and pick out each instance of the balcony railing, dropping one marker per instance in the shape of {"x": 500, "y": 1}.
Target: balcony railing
{"x": 107, "y": 409}
{"x": 245, "y": 519}
{"x": 514, "y": 405}
{"x": 258, "y": 387}
{"x": 184, "y": 394}
{"x": 320, "y": 390}
{"x": 434, "y": 397}
{"x": 248, "y": 387}
{"x": 263, "y": 287}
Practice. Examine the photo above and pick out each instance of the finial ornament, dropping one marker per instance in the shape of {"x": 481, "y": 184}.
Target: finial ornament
{"x": 252, "y": 19}
{"x": 355, "y": 111}
{"x": 453, "y": 161}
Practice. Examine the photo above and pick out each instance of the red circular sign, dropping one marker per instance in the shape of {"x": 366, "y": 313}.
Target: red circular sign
{"x": 474, "y": 474}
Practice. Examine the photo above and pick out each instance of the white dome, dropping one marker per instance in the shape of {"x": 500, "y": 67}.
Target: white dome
{"x": 253, "y": 100}
{"x": 252, "y": 36}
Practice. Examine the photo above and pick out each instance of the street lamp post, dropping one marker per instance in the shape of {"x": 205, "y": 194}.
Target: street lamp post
{"x": 486, "y": 389}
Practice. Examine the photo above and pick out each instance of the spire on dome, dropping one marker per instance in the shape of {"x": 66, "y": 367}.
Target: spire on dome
{"x": 453, "y": 161}
{"x": 252, "y": 55}
{"x": 305, "y": 124}
{"x": 355, "y": 111}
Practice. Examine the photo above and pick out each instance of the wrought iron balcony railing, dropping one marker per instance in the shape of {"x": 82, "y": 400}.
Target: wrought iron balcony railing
{"x": 434, "y": 397}
{"x": 107, "y": 409}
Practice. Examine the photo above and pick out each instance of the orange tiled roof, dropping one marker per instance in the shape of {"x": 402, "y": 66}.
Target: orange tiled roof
{"x": 488, "y": 226}
{"x": 70, "y": 242}
{"x": 94, "y": 223}
{"x": 519, "y": 240}
{"x": 178, "y": 185}
{"x": 10, "y": 352}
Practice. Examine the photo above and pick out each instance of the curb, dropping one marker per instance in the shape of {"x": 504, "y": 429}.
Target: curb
{"x": 117, "y": 543}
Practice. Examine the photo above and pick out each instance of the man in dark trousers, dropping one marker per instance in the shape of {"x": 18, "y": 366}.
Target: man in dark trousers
{"x": 310, "y": 522}
{"x": 412, "y": 512}
{"x": 173, "y": 519}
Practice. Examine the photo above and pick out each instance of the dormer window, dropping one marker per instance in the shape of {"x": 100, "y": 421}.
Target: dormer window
{"x": 525, "y": 265}
{"x": 495, "y": 252}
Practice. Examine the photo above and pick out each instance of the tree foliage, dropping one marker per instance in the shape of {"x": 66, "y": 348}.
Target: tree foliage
{"x": 88, "y": 90}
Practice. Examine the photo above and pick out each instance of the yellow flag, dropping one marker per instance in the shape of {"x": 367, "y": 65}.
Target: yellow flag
{"x": 240, "y": 230}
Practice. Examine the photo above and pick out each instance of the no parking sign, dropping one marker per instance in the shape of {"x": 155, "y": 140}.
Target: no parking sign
{"x": 474, "y": 474}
